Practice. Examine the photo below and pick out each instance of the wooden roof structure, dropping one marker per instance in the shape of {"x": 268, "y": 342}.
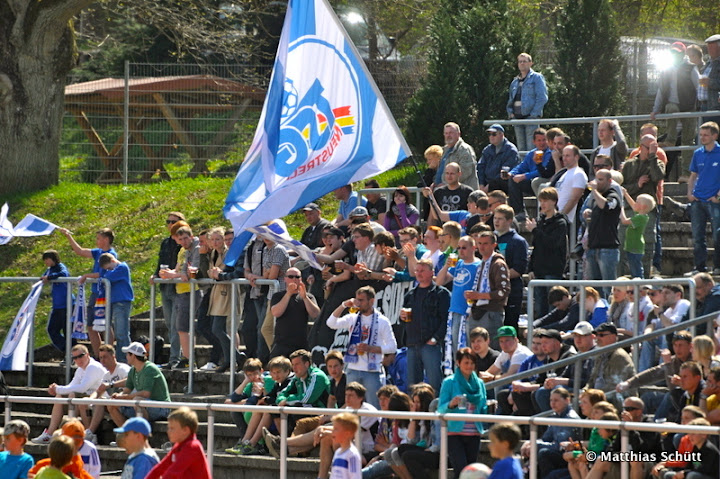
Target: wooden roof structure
{"x": 176, "y": 99}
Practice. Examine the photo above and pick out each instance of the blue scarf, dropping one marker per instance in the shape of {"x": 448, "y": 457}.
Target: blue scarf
{"x": 351, "y": 356}
{"x": 78, "y": 315}
{"x": 449, "y": 359}
{"x": 470, "y": 387}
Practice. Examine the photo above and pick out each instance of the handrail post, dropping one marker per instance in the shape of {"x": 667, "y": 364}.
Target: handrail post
{"x": 533, "y": 449}
{"x": 191, "y": 353}
{"x": 583, "y": 313}
{"x": 636, "y": 324}
{"x": 442, "y": 473}
{"x": 211, "y": 437}
{"x": 577, "y": 377}
{"x": 624, "y": 443}
{"x": 31, "y": 350}
{"x": 68, "y": 330}
{"x": 151, "y": 332}
{"x": 572, "y": 267}
{"x": 530, "y": 313}
{"x": 283, "y": 444}
{"x": 595, "y": 139}
{"x": 233, "y": 329}
{"x": 108, "y": 310}
{"x": 8, "y": 410}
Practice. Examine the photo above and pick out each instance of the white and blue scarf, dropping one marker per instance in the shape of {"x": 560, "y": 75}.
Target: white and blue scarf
{"x": 351, "y": 356}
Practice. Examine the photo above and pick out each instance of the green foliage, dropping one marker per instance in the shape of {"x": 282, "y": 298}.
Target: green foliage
{"x": 589, "y": 62}
{"x": 472, "y": 60}
{"x": 137, "y": 215}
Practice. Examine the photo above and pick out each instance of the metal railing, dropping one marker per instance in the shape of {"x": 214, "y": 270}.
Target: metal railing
{"x": 284, "y": 411}
{"x": 274, "y": 285}
{"x": 68, "y": 318}
{"x": 595, "y": 121}
{"x": 578, "y": 358}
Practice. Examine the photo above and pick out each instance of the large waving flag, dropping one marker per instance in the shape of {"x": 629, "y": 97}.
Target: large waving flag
{"x": 31, "y": 225}
{"x": 14, "y": 350}
{"x": 324, "y": 124}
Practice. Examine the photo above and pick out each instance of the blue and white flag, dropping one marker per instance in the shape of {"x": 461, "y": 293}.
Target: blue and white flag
{"x": 79, "y": 322}
{"x": 324, "y": 124}
{"x": 31, "y": 225}
{"x": 6, "y": 228}
{"x": 276, "y": 233}
{"x": 15, "y": 348}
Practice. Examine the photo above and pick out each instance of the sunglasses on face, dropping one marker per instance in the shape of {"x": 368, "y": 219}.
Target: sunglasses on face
{"x": 170, "y": 222}
{"x": 293, "y": 276}
{"x": 492, "y": 133}
{"x": 75, "y": 358}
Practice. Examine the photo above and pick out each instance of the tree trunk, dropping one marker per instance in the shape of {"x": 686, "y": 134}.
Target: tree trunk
{"x": 37, "y": 50}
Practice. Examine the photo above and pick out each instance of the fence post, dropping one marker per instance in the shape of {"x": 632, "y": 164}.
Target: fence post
{"x": 530, "y": 313}
{"x": 152, "y": 321}
{"x": 211, "y": 437}
{"x": 31, "y": 351}
{"x": 442, "y": 473}
{"x": 583, "y": 313}
{"x": 624, "y": 443}
{"x": 533, "y": 449}
{"x": 283, "y": 444}
{"x": 108, "y": 309}
{"x": 68, "y": 330}
{"x": 636, "y": 332}
{"x": 233, "y": 327}
{"x": 126, "y": 122}
{"x": 8, "y": 410}
{"x": 191, "y": 353}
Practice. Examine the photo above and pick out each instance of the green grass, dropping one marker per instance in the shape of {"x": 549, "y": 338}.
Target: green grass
{"x": 136, "y": 213}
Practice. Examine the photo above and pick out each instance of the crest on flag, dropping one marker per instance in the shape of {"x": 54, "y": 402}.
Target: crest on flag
{"x": 322, "y": 127}
{"x": 78, "y": 316}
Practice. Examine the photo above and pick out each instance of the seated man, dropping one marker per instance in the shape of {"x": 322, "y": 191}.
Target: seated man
{"x": 322, "y": 434}
{"x": 692, "y": 384}
{"x": 521, "y": 389}
{"x": 565, "y": 313}
{"x": 88, "y": 377}
{"x": 522, "y": 175}
{"x": 611, "y": 368}
{"x": 116, "y": 372}
{"x": 144, "y": 381}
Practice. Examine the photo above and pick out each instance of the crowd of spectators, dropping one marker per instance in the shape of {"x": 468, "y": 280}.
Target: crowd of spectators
{"x": 459, "y": 324}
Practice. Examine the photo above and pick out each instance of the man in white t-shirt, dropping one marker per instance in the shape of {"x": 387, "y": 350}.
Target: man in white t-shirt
{"x": 571, "y": 185}
{"x": 115, "y": 376}
{"x": 670, "y": 311}
{"x": 512, "y": 355}
{"x": 87, "y": 378}
{"x": 371, "y": 337}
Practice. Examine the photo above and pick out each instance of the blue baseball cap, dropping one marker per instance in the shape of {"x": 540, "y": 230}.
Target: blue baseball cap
{"x": 495, "y": 127}
{"x": 135, "y": 424}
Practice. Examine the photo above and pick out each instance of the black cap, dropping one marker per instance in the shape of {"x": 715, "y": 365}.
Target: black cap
{"x": 335, "y": 232}
{"x": 550, "y": 333}
{"x": 606, "y": 327}
{"x": 311, "y": 207}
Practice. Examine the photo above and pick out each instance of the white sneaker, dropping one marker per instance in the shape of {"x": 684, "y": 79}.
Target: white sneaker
{"x": 90, "y": 436}
{"x": 210, "y": 366}
{"x": 43, "y": 438}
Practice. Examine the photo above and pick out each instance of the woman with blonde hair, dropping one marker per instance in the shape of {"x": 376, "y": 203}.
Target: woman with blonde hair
{"x": 703, "y": 351}
{"x": 219, "y": 307}
{"x": 620, "y": 313}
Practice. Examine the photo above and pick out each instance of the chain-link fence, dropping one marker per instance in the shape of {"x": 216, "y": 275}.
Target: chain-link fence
{"x": 181, "y": 120}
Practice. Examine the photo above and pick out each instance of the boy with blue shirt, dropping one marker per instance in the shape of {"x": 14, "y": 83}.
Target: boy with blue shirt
{"x": 133, "y": 437}
{"x": 103, "y": 241}
{"x": 121, "y": 296}
{"x": 58, "y": 315}
{"x": 538, "y": 160}
{"x": 463, "y": 277}
{"x": 14, "y": 462}
{"x": 704, "y": 196}
{"x": 504, "y": 438}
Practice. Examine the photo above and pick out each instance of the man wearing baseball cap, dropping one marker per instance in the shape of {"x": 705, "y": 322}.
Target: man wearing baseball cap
{"x": 133, "y": 437}
{"x": 677, "y": 91}
{"x": 360, "y": 215}
{"x": 512, "y": 356}
{"x": 498, "y": 154}
{"x": 611, "y": 368}
{"x": 312, "y": 236}
{"x": 145, "y": 381}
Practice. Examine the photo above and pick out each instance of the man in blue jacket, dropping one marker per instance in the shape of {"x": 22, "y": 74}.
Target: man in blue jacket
{"x": 521, "y": 176}
{"x": 121, "y": 296}
{"x": 499, "y": 154}
{"x": 526, "y": 99}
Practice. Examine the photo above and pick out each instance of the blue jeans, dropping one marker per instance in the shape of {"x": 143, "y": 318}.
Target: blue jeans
{"x": 700, "y": 213}
{"x": 657, "y": 257}
{"x": 516, "y": 192}
{"x": 542, "y": 398}
{"x": 648, "y": 356}
{"x": 636, "y": 266}
{"x": 524, "y": 137}
{"x": 369, "y": 379}
{"x": 425, "y": 360}
{"x": 121, "y": 325}
{"x": 56, "y": 328}
{"x": 263, "y": 349}
{"x": 490, "y": 320}
{"x": 219, "y": 330}
{"x": 168, "y": 306}
{"x": 602, "y": 264}
{"x": 463, "y": 450}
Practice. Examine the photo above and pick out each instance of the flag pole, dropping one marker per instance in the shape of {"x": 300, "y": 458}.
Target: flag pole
{"x": 422, "y": 180}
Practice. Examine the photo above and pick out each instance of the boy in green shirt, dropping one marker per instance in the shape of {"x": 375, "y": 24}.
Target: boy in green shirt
{"x": 634, "y": 239}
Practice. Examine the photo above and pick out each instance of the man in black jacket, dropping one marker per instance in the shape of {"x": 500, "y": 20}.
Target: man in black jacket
{"x": 425, "y": 327}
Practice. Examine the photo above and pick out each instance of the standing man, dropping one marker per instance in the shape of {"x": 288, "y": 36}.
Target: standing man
{"x": 571, "y": 185}
{"x": 292, "y": 310}
{"x": 514, "y": 249}
{"x": 677, "y": 91}
{"x": 491, "y": 289}
{"x": 499, "y": 154}
{"x": 457, "y": 151}
{"x": 121, "y": 295}
{"x": 312, "y": 236}
{"x": 425, "y": 327}
{"x": 612, "y": 143}
{"x": 603, "y": 251}
{"x": 167, "y": 257}
{"x": 528, "y": 95}
{"x": 712, "y": 73}
{"x": 453, "y": 195}
{"x": 704, "y": 196}
{"x": 103, "y": 244}
{"x": 371, "y": 336}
